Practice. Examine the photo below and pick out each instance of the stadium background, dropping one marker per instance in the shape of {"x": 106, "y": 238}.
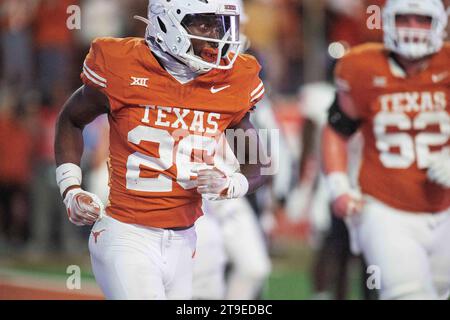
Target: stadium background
{"x": 296, "y": 41}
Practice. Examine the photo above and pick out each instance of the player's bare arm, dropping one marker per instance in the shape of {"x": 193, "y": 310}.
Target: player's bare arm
{"x": 83, "y": 107}
{"x": 334, "y": 155}
{"x": 249, "y": 179}
{"x": 334, "y": 143}
{"x": 252, "y": 171}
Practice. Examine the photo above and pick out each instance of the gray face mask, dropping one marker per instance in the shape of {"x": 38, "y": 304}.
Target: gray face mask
{"x": 181, "y": 72}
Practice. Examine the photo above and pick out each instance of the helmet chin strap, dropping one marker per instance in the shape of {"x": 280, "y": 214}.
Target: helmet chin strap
{"x": 176, "y": 68}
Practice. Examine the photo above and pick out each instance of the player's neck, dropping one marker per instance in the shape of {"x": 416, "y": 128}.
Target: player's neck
{"x": 173, "y": 66}
{"x": 412, "y": 67}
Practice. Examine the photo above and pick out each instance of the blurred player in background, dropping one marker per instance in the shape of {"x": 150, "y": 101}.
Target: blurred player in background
{"x": 331, "y": 269}
{"x": 142, "y": 246}
{"x": 397, "y": 96}
{"x": 346, "y": 25}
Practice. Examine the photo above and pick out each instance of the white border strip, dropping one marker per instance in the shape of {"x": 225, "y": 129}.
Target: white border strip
{"x": 92, "y": 73}
{"x": 258, "y": 96}
{"x": 257, "y": 89}
{"x": 342, "y": 84}
{"x": 101, "y": 84}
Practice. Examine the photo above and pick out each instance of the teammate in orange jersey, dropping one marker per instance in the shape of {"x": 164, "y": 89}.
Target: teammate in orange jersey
{"x": 398, "y": 96}
{"x": 168, "y": 98}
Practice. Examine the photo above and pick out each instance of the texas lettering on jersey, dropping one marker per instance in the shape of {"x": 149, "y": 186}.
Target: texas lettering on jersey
{"x": 409, "y": 102}
{"x": 405, "y": 124}
{"x": 202, "y": 122}
{"x": 160, "y": 129}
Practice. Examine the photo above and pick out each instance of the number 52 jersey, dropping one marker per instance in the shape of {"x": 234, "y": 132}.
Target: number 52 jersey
{"x": 161, "y": 129}
{"x": 405, "y": 124}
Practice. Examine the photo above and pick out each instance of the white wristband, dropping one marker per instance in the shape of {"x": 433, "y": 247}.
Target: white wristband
{"x": 238, "y": 186}
{"x": 338, "y": 184}
{"x": 67, "y": 175}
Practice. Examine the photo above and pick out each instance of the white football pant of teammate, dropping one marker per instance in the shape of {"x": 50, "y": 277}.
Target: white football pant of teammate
{"x": 388, "y": 237}
{"x": 210, "y": 259}
{"x": 244, "y": 247}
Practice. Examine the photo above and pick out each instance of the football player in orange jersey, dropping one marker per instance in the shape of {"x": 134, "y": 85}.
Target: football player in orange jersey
{"x": 398, "y": 96}
{"x": 168, "y": 98}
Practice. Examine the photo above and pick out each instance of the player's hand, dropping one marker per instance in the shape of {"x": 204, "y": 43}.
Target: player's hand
{"x": 439, "y": 170}
{"x": 211, "y": 181}
{"x": 83, "y": 208}
{"x": 213, "y": 184}
{"x": 347, "y": 205}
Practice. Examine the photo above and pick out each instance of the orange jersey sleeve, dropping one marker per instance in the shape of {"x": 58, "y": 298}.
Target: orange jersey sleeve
{"x": 100, "y": 69}
{"x": 352, "y": 73}
{"x": 253, "y": 86}
{"x": 95, "y": 71}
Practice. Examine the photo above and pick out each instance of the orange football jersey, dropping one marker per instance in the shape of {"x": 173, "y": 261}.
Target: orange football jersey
{"x": 405, "y": 123}
{"x": 161, "y": 129}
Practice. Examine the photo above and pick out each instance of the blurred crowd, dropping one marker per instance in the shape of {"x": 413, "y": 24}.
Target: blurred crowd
{"x": 40, "y": 61}
{"x": 296, "y": 41}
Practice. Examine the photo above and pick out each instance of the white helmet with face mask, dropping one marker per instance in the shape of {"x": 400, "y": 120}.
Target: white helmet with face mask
{"x": 414, "y": 43}
{"x": 168, "y": 26}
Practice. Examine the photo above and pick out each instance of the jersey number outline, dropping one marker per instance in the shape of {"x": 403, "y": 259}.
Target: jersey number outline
{"x": 412, "y": 149}
{"x": 170, "y": 153}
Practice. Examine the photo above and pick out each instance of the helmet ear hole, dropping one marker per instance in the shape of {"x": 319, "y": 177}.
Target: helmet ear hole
{"x": 162, "y": 25}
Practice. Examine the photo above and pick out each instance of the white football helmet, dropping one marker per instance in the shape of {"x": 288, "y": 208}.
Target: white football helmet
{"x": 413, "y": 43}
{"x": 167, "y": 26}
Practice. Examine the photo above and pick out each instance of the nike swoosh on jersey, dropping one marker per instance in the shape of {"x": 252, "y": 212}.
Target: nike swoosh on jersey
{"x": 439, "y": 77}
{"x": 214, "y": 90}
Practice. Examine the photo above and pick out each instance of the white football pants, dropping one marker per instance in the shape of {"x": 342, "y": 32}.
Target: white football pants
{"x": 137, "y": 262}
{"x": 210, "y": 260}
{"x": 244, "y": 247}
{"x": 411, "y": 251}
